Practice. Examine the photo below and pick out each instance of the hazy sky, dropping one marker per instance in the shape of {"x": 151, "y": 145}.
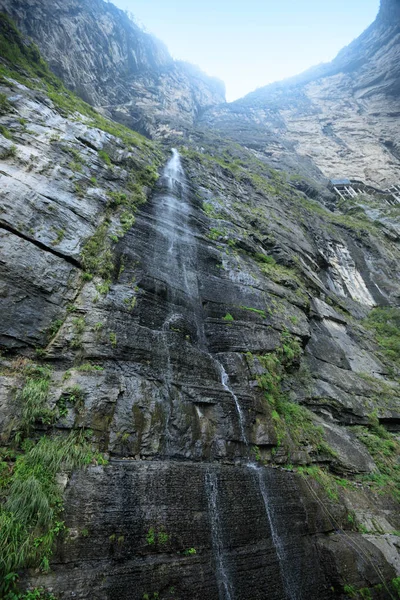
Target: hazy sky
{"x": 249, "y": 43}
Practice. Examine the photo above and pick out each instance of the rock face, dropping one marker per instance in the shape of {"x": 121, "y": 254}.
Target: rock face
{"x": 343, "y": 115}
{"x": 112, "y": 64}
{"x": 215, "y": 343}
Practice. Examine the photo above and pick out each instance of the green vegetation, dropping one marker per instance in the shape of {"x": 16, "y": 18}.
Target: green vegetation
{"x": 4, "y": 131}
{"x": 105, "y": 158}
{"x": 10, "y": 591}
{"x": 5, "y": 106}
{"x": 33, "y": 399}
{"x": 368, "y": 593}
{"x": 257, "y": 311}
{"x": 29, "y": 517}
{"x": 294, "y": 424}
{"x": 74, "y": 396}
{"x": 75, "y": 167}
{"x": 211, "y": 211}
{"x": 385, "y": 450}
{"x": 385, "y": 323}
{"x": 228, "y": 317}
{"x": 54, "y": 328}
{"x": 79, "y": 325}
{"x": 30, "y": 497}
{"x": 97, "y": 256}
{"x": 276, "y": 272}
{"x": 153, "y": 536}
{"x": 10, "y": 152}
{"x": 396, "y": 585}
{"x": 60, "y": 236}
{"x": 190, "y": 552}
{"x": 89, "y": 368}
{"x": 113, "y": 339}
{"x": 27, "y": 66}
{"x": 22, "y": 62}
{"x": 326, "y": 480}
{"x": 214, "y": 234}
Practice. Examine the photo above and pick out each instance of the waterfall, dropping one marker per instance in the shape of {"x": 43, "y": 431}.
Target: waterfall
{"x": 226, "y": 386}
{"x": 175, "y": 247}
{"x": 224, "y": 584}
{"x": 283, "y": 560}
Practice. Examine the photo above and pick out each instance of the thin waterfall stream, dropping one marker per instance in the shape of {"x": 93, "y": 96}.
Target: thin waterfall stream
{"x": 227, "y": 387}
{"x": 284, "y": 563}
{"x": 178, "y": 260}
{"x": 223, "y": 580}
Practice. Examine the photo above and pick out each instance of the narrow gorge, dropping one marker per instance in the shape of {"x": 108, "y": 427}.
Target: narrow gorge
{"x": 200, "y": 337}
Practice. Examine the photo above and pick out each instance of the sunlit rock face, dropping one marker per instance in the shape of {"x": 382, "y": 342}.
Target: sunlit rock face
{"x": 111, "y": 63}
{"x": 344, "y": 115}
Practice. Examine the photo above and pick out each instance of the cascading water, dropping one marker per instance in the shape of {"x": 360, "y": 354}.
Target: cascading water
{"x": 177, "y": 246}
{"x": 175, "y": 259}
{"x": 225, "y": 591}
{"x": 284, "y": 562}
{"x": 226, "y": 386}
{"x": 174, "y": 268}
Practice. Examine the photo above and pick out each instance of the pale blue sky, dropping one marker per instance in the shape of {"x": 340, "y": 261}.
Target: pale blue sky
{"x": 249, "y": 43}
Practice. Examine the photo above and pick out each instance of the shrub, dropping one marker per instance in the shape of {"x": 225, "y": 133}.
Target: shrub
{"x": 30, "y": 517}
{"x": 33, "y": 398}
{"x": 5, "y": 106}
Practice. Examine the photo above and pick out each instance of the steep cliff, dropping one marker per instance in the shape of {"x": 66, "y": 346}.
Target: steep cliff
{"x": 343, "y": 116}
{"x": 200, "y": 363}
{"x": 112, "y": 64}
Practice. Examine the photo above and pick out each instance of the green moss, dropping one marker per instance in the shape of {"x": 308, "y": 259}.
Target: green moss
{"x": 214, "y": 233}
{"x": 5, "y": 107}
{"x": 257, "y": 311}
{"x": 211, "y": 211}
{"x": 105, "y": 157}
{"x": 228, "y": 317}
{"x": 325, "y": 479}
{"x": 60, "y": 236}
{"x": 385, "y": 323}
{"x": 97, "y": 256}
{"x": 385, "y": 450}
{"x": 113, "y": 339}
{"x": 294, "y": 424}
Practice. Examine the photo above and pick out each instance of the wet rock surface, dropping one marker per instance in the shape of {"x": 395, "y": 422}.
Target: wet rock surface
{"x": 213, "y": 341}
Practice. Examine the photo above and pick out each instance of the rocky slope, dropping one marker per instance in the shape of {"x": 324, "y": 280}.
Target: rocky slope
{"x": 343, "y": 116}
{"x": 112, "y": 64}
{"x": 200, "y": 375}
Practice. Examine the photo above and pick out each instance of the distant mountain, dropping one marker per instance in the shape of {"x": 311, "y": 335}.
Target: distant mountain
{"x": 343, "y": 116}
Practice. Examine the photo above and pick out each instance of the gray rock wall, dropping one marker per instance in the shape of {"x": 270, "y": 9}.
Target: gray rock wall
{"x": 170, "y": 347}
